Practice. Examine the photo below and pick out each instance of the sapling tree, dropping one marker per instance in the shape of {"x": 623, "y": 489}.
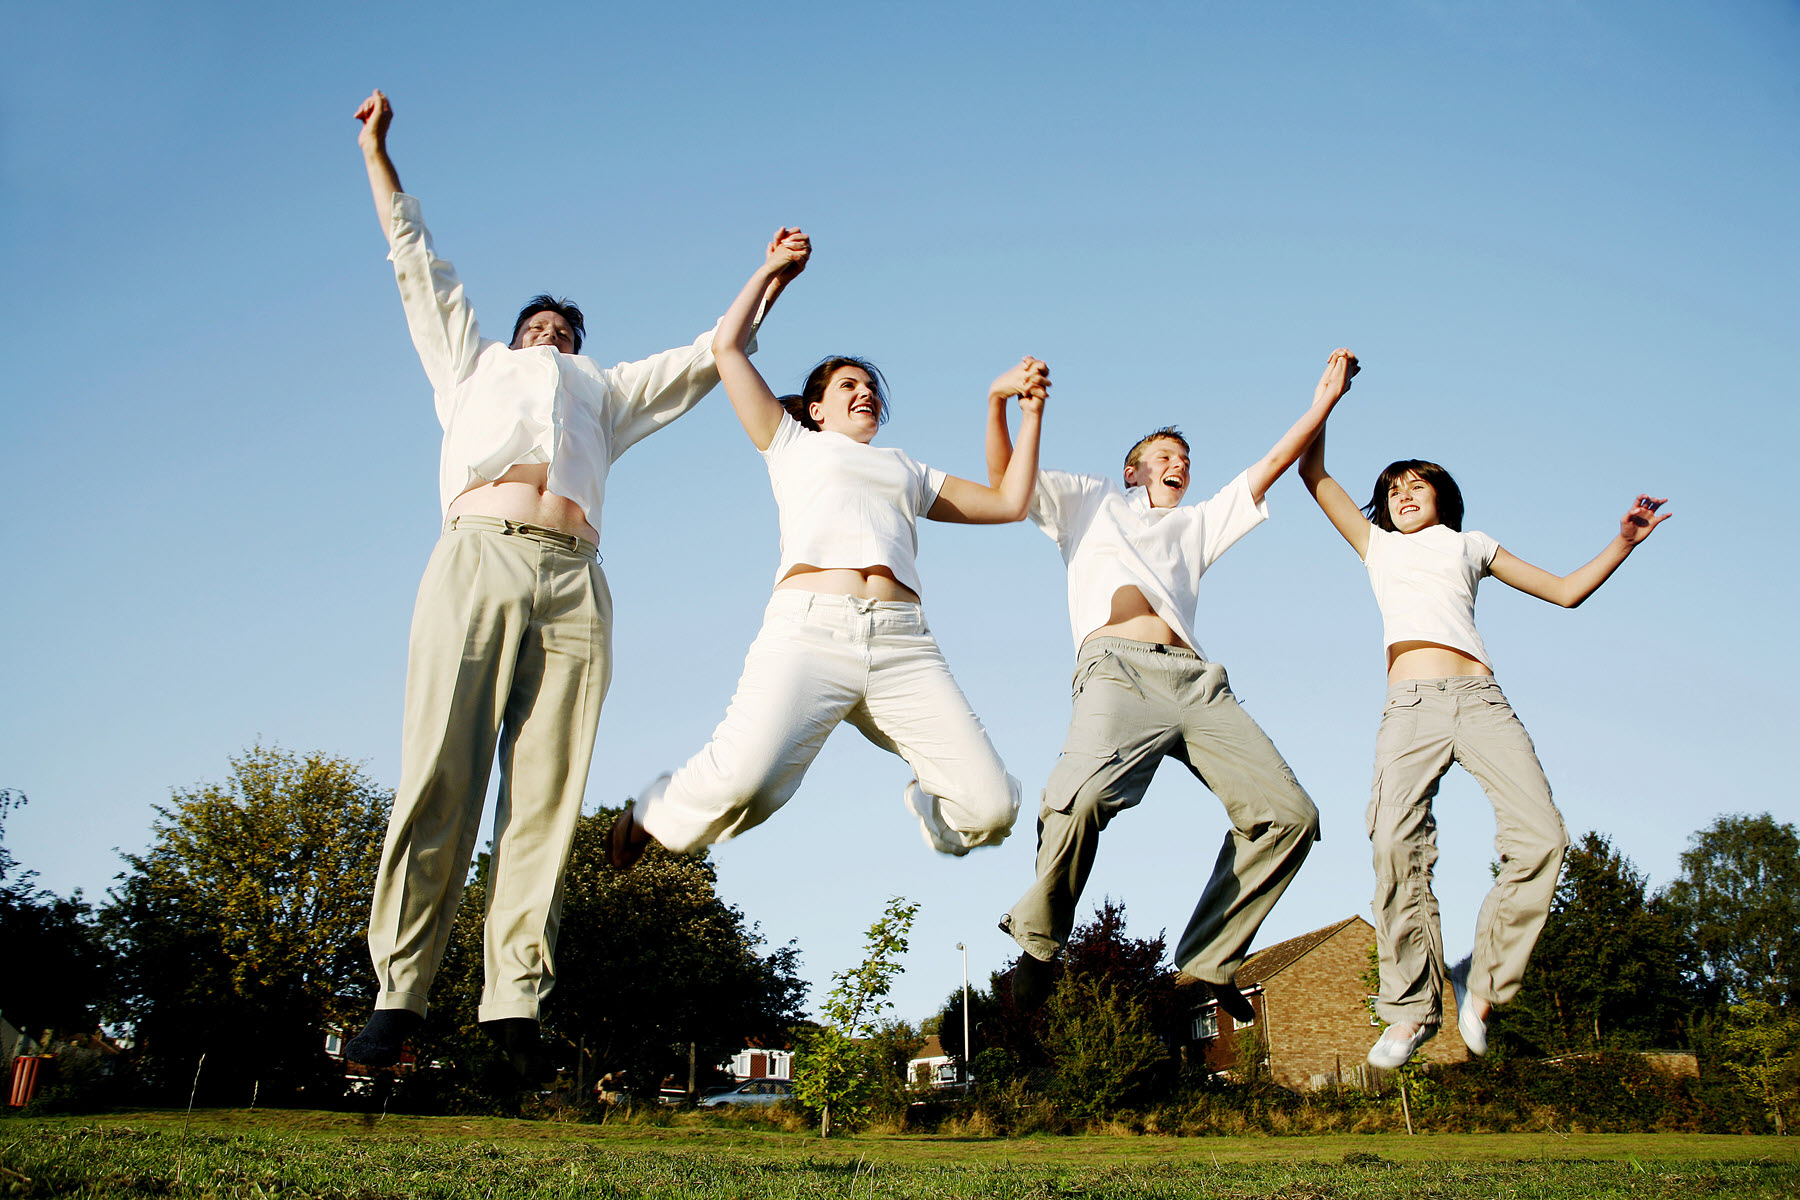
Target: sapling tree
{"x": 836, "y": 1063}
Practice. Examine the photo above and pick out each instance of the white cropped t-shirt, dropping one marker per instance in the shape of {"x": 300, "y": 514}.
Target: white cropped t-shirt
{"x": 1425, "y": 584}
{"x": 1112, "y": 538}
{"x": 846, "y": 504}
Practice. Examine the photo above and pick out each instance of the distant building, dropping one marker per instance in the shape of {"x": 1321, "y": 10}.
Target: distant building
{"x": 932, "y": 1066}
{"x": 756, "y": 1063}
{"x": 1314, "y": 1024}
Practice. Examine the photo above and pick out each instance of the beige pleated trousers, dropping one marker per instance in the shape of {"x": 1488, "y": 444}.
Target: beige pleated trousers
{"x": 511, "y": 648}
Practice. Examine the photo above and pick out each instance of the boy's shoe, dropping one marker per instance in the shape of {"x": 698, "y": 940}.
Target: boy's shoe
{"x": 937, "y": 835}
{"x": 383, "y": 1038}
{"x": 1392, "y": 1050}
{"x": 1472, "y": 1027}
{"x": 1032, "y": 981}
{"x": 1232, "y": 1002}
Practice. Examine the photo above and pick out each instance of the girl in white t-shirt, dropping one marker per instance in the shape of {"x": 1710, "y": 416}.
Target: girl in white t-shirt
{"x": 843, "y": 638}
{"x": 1443, "y": 705}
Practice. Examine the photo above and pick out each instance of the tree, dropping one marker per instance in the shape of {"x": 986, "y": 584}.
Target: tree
{"x": 1108, "y": 1019}
{"x": 54, "y": 974}
{"x": 1607, "y": 972}
{"x": 1762, "y": 1044}
{"x": 835, "y": 1064}
{"x": 653, "y": 970}
{"x": 1738, "y": 898}
{"x": 240, "y": 933}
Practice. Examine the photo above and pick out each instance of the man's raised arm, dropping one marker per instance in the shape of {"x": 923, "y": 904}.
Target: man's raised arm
{"x": 376, "y": 114}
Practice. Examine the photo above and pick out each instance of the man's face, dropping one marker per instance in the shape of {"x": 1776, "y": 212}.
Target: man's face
{"x": 547, "y": 329}
{"x": 1162, "y": 471}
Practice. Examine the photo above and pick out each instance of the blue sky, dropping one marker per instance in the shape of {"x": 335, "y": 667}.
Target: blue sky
{"x": 1561, "y": 237}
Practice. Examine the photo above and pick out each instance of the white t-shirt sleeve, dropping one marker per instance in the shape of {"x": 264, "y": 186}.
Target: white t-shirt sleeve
{"x": 930, "y": 481}
{"x": 1224, "y": 518}
{"x": 1485, "y": 548}
{"x": 1059, "y": 499}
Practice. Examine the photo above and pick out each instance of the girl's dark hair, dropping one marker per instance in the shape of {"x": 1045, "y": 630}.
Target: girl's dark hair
{"x": 814, "y": 389}
{"x": 564, "y": 308}
{"x": 1449, "y": 496}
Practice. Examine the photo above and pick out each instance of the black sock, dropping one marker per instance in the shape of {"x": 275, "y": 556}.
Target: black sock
{"x": 381, "y": 1040}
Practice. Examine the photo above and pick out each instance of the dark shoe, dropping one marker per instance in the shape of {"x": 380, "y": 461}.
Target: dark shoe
{"x": 1033, "y": 979}
{"x": 1232, "y": 1002}
{"x": 383, "y": 1038}
{"x": 523, "y": 1049}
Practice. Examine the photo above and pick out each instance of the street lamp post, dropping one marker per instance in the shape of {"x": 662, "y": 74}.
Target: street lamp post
{"x": 965, "y": 1053}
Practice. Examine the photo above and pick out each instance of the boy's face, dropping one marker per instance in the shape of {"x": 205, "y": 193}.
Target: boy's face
{"x": 1412, "y": 504}
{"x": 1162, "y": 471}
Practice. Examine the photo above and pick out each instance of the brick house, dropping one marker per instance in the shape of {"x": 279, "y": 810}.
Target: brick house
{"x": 1312, "y": 1012}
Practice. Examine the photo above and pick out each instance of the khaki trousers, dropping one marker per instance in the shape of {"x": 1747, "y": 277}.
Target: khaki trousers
{"x": 511, "y": 647}
{"x": 1135, "y": 703}
{"x": 1427, "y": 725}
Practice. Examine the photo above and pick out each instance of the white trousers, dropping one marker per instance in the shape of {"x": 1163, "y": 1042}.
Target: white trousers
{"x": 820, "y": 660}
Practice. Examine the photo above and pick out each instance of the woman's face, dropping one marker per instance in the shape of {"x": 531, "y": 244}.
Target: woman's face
{"x": 849, "y": 405}
{"x": 1412, "y": 503}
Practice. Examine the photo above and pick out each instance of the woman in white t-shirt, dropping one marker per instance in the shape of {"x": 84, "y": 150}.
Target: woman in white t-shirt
{"x": 1442, "y": 706}
{"x": 844, "y": 637}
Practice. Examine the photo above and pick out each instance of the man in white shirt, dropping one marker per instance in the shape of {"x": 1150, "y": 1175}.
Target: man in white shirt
{"x": 511, "y": 636}
{"x": 1143, "y": 691}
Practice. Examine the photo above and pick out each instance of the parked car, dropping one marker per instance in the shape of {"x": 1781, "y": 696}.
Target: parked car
{"x": 754, "y": 1091}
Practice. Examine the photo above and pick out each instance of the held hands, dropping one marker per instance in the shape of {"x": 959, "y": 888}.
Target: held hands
{"x": 1340, "y": 368}
{"x": 1029, "y": 381}
{"x": 788, "y": 251}
{"x": 1637, "y": 524}
{"x": 376, "y": 114}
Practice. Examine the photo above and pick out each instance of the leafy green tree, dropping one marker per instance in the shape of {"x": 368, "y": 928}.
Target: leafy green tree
{"x": 1607, "y": 972}
{"x": 1738, "y": 898}
{"x": 240, "y": 933}
{"x": 1104, "y": 1041}
{"x": 652, "y": 966}
{"x": 836, "y": 1065}
{"x": 1762, "y": 1044}
{"x": 55, "y": 972}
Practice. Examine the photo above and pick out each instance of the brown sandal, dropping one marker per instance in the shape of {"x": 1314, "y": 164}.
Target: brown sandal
{"x": 625, "y": 842}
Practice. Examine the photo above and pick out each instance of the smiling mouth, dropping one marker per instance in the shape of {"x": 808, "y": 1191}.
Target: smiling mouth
{"x": 1174, "y": 481}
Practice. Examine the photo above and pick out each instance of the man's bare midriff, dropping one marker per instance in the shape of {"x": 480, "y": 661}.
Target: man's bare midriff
{"x": 865, "y": 583}
{"x": 519, "y": 495}
{"x": 1428, "y": 660}
{"x": 1133, "y": 618}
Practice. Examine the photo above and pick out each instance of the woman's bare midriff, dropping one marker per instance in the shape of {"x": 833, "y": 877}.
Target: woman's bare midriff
{"x": 865, "y": 583}
{"x": 519, "y": 495}
{"x": 1428, "y": 660}
{"x": 1133, "y": 618}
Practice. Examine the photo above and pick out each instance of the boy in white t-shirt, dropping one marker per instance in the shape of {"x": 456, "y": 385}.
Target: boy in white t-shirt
{"x": 1143, "y": 691}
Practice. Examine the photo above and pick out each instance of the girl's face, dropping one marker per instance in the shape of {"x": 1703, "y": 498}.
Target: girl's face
{"x": 1412, "y": 504}
{"x": 849, "y": 406}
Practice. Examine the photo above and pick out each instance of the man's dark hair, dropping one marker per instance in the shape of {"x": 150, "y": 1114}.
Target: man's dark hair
{"x": 814, "y": 389}
{"x": 564, "y": 308}
{"x": 1449, "y": 496}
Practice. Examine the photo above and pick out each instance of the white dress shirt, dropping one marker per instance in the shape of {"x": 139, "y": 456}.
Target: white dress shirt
{"x": 847, "y": 504}
{"x": 1425, "y": 584}
{"x": 1112, "y": 538}
{"x": 501, "y": 407}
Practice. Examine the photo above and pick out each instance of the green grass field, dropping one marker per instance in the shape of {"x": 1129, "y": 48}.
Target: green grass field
{"x": 270, "y": 1153}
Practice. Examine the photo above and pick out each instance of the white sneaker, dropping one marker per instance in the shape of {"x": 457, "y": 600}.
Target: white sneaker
{"x": 1472, "y": 1027}
{"x": 1393, "y": 1050}
{"x": 937, "y": 835}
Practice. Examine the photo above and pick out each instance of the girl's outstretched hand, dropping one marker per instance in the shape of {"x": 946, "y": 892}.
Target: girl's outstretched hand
{"x": 788, "y": 251}
{"x": 1340, "y": 368}
{"x": 1637, "y": 524}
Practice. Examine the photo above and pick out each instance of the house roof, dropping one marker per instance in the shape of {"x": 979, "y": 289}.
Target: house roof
{"x": 933, "y": 1048}
{"x": 1272, "y": 961}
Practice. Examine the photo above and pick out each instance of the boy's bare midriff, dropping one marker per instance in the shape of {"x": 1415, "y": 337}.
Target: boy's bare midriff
{"x": 519, "y": 495}
{"x": 1428, "y": 660}
{"x": 864, "y": 583}
{"x": 1133, "y": 618}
